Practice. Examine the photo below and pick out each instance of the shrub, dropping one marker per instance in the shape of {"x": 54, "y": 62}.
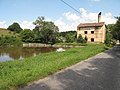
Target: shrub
{"x": 86, "y": 39}
{"x": 80, "y": 39}
{"x": 9, "y": 40}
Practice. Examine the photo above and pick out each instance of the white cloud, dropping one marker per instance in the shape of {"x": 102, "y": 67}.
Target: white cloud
{"x": 26, "y": 25}
{"x": 29, "y": 24}
{"x": 71, "y": 16}
{"x": 87, "y": 16}
{"x": 48, "y": 19}
{"x": 3, "y": 24}
{"x": 108, "y": 15}
{"x": 63, "y": 26}
{"x": 107, "y": 18}
{"x": 23, "y": 24}
{"x": 83, "y": 11}
{"x": 70, "y": 20}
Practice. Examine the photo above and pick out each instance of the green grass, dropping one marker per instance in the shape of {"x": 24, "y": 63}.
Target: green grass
{"x": 5, "y": 32}
{"x": 14, "y": 74}
{"x": 73, "y": 44}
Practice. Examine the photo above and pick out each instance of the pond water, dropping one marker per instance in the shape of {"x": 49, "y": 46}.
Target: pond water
{"x": 13, "y": 53}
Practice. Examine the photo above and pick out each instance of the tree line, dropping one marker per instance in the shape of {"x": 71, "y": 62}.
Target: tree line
{"x": 44, "y": 32}
{"x": 47, "y": 32}
{"x": 113, "y": 32}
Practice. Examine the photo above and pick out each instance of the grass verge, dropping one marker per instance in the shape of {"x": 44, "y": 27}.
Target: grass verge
{"x": 19, "y": 72}
{"x": 73, "y": 44}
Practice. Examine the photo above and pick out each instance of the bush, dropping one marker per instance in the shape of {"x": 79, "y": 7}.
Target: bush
{"x": 113, "y": 42}
{"x": 9, "y": 40}
{"x": 80, "y": 39}
{"x": 86, "y": 39}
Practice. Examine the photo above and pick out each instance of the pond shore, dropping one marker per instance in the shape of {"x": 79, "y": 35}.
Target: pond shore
{"x": 49, "y": 45}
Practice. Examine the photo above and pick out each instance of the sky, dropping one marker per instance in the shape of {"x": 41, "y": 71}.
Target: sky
{"x": 25, "y": 12}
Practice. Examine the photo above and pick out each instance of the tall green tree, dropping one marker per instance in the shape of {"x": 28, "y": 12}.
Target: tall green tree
{"x": 68, "y": 36}
{"x": 37, "y": 34}
{"x": 109, "y": 36}
{"x": 46, "y": 31}
{"x": 116, "y": 29}
{"x": 27, "y": 35}
{"x": 15, "y": 27}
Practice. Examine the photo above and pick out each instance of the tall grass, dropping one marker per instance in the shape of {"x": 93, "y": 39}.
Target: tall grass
{"x": 19, "y": 72}
{"x": 9, "y": 40}
{"x": 5, "y": 32}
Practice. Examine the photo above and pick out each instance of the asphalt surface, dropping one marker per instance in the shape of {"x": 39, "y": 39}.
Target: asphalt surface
{"x": 101, "y": 72}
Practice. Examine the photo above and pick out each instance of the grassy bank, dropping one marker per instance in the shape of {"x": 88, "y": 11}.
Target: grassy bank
{"x": 19, "y": 72}
{"x": 5, "y": 32}
{"x": 74, "y": 44}
{"x": 8, "y": 38}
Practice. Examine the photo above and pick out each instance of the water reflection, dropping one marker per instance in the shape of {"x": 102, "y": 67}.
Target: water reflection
{"x": 13, "y": 53}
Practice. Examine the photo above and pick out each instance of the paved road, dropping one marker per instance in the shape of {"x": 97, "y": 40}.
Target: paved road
{"x": 101, "y": 72}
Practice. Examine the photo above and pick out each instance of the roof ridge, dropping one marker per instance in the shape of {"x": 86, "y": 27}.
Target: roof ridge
{"x": 91, "y": 24}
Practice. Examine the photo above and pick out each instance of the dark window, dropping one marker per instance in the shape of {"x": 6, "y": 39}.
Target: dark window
{"x": 92, "y": 39}
{"x": 85, "y": 32}
{"x": 92, "y": 32}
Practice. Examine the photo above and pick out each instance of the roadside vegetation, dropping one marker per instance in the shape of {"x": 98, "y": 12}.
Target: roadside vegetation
{"x": 14, "y": 74}
{"x": 112, "y": 33}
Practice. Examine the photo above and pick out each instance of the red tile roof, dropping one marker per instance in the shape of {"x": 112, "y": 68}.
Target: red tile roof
{"x": 91, "y": 24}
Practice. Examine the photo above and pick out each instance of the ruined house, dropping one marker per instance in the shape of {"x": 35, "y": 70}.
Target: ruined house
{"x": 95, "y": 32}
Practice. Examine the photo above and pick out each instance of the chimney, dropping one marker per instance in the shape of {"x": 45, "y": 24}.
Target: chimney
{"x": 99, "y": 17}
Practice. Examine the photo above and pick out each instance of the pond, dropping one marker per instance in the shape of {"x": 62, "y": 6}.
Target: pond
{"x": 14, "y": 53}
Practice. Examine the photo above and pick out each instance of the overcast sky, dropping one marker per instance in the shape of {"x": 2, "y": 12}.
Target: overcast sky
{"x": 26, "y": 11}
